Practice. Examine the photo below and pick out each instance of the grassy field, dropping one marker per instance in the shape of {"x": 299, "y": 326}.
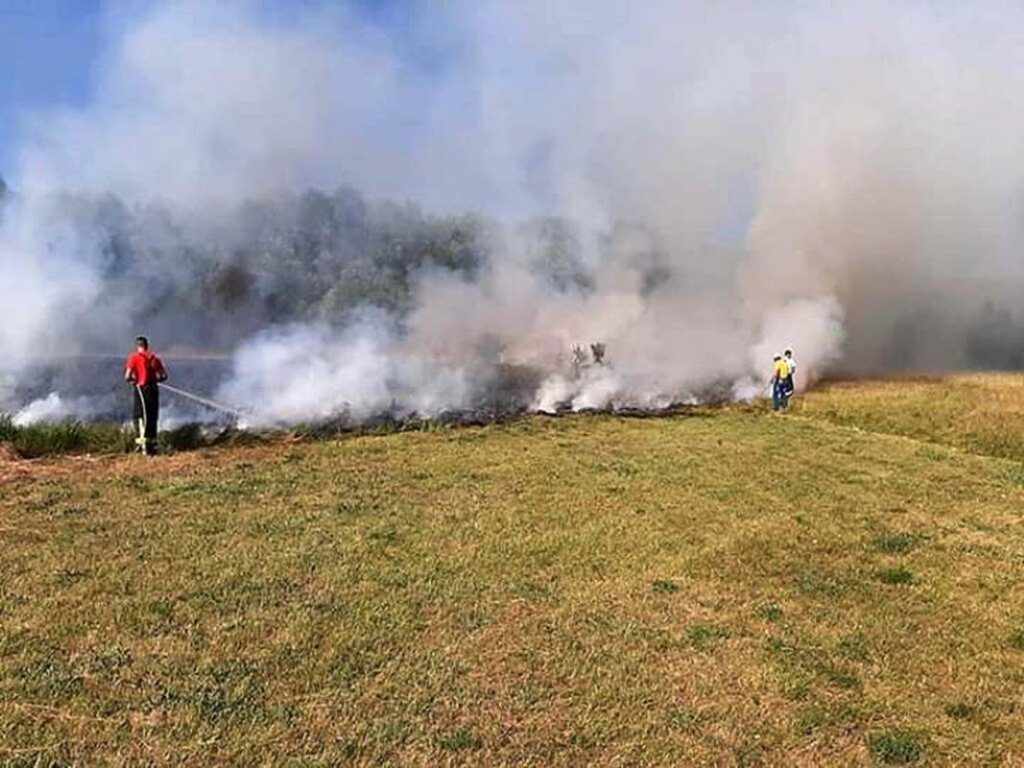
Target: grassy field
{"x": 978, "y": 413}
{"x": 834, "y": 586}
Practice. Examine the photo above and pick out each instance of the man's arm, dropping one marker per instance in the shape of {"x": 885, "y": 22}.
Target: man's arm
{"x": 129, "y": 371}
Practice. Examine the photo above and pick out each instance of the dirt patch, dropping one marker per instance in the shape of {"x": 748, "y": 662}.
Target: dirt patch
{"x": 16, "y": 469}
{"x": 11, "y": 465}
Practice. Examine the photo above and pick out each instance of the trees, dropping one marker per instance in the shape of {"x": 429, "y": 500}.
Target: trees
{"x": 216, "y": 279}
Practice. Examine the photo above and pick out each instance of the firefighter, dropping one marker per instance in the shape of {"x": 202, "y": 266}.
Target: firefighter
{"x": 791, "y": 363}
{"x": 780, "y": 372}
{"x": 144, "y": 371}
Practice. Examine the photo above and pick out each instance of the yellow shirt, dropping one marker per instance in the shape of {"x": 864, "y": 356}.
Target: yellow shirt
{"x": 781, "y": 369}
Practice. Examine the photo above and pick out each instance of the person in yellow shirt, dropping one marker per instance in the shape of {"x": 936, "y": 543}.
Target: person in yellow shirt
{"x": 780, "y": 375}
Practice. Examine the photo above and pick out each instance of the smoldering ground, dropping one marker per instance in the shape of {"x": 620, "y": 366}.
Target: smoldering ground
{"x": 696, "y": 186}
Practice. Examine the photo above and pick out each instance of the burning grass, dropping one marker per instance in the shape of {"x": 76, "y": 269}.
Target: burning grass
{"x": 104, "y": 438}
{"x": 547, "y": 591}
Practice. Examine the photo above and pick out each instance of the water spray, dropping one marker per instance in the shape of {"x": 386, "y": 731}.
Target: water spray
{"x": 202, "y": 400}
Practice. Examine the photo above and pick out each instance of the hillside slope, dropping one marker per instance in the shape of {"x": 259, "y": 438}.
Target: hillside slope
{"x": 730, "y": 587}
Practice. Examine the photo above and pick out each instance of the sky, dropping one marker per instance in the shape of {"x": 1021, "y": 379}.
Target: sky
{"x": 51, "y": 47}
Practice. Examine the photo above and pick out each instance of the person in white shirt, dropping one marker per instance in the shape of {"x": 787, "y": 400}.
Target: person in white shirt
{"x": 789, "y": 384}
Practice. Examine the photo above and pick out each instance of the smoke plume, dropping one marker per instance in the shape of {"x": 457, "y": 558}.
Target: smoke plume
{"x": 441, "y": 208}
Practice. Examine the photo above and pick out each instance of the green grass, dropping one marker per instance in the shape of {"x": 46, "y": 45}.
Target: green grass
{"x": 960, "y": 710}
{"x": 664, "y": 587}
{"x": 105, "y": 439}
{"x": 896, "y": 543}
{"x": 585, "y": 590}
{"x": 770, "y": 612}
{"x": 63, "y": 437}
{"x": 898, "y": 575}
{"x": 896, "y": 748}
{"x": 75, "y": 437}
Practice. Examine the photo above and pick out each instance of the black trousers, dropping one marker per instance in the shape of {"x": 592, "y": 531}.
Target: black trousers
{"x": 146, "y": 406}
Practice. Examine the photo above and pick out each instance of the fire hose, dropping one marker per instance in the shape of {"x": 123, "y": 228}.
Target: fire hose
{"x": 201, "y": 400}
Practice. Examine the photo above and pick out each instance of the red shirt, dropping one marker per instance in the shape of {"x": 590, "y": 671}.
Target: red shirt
{"x": 144, "y": 367}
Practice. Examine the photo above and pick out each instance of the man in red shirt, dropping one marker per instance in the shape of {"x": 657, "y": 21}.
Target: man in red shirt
{"x": 144, "y": 371}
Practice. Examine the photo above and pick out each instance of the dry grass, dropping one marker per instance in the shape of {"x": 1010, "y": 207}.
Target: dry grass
{"x": 731, "y": 587}
{"x": 980, "y": 413}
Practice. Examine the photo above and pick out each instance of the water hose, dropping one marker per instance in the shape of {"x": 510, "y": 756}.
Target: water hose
{"x": 141, "y": 441}
{"x": 201, "y": 400}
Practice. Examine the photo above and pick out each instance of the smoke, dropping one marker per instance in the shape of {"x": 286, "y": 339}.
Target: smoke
{"x": 314, "y": 373}
{"x": 695, "y": 186}
{"x": 52, "y": 408}
{"x": 46, "y": 269}
{"x": 55, "y": 408}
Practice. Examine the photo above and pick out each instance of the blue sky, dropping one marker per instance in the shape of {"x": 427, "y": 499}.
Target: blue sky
{"x": 49, "y": 50}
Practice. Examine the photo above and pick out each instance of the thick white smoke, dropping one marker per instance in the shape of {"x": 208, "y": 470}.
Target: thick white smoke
{"x": 46, "y": 268}
{"x": 52, "y": 408}
{"x": 743, "y": 177}
{"x": 313, "y": 373}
